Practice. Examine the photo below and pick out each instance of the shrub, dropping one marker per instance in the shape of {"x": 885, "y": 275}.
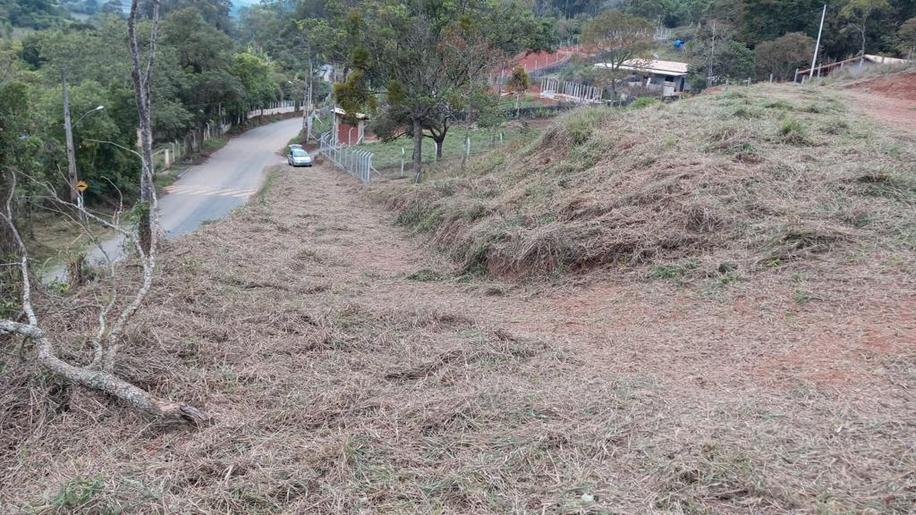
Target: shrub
{"x": 794, "y": 132}
{"x": 642, "y": 102}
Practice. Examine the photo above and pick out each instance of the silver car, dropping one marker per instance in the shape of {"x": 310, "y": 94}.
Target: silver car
{"x": 298, "y": 157}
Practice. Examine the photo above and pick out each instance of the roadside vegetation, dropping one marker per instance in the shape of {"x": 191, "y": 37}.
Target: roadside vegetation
{"x": 350, "y": 369}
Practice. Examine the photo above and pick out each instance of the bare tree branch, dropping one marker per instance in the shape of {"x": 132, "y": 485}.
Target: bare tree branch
{"x": 102, "y": 380}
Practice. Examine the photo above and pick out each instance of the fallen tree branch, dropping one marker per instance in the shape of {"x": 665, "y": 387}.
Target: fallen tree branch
{"x": 103, "y": 381}
{"x": 90, "y": 377}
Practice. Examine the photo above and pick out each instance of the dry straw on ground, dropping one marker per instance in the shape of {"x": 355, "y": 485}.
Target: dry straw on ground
{"x": 752, "y": 176}
{"x": 351, "y": 369}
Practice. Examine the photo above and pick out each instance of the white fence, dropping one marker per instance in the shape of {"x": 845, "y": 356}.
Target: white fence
{"x": 570, "y": 91}
{"x": 287, "y": 106}
{"x": 170, "y": 153}
{"x": 357, "y": 163}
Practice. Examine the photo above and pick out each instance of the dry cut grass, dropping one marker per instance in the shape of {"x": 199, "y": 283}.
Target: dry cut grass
{"x": 352, "y": 370}
{"x": 751, "y": 177}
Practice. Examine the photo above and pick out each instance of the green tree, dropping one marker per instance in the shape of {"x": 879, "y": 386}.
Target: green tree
{"x": 214, "y": 12}
{"x": 764, "y": 20}
{"x": 713, "y": 61}
{"x": 428, "y": 57}
{"x": 113, "y": 7}
{"x": 22, "y": 148}
{"x": 34, "y": 14}
{"x": 518, "y": 83}
{"x": 255, "y": 71}
{"x": 615, "y": 37}
{"x": 857, "y": 14}
{"x": 906, "y": 38}
{"x": 196, "y": 76}
{"x": 93, "y": 64}
{"x": 783, "y": 55}
{"x": 671, "y": 13}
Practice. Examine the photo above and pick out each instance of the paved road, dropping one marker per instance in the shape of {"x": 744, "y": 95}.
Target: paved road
{"x": 226, "y": 180}
{"x": 211, "y": 190}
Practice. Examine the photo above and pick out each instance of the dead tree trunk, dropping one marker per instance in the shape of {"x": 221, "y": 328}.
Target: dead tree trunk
{"x": 68, "y": 133}
{"x": 102, "y": 381}
{"x": 417, "y": 150}
{"x": 141, "y": 75}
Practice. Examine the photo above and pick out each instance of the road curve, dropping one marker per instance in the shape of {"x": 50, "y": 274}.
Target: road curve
{"x": 226, "y": 180}
{"x": 209, "y": 191}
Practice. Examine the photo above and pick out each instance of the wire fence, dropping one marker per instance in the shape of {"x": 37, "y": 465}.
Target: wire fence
{"x": 355, "y": 162}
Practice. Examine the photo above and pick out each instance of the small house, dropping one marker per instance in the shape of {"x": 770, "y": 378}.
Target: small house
{"x": 667, "y": 78}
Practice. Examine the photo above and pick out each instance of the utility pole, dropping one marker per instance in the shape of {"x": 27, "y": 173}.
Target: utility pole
{"x": 712, "y": 55}
{"x": 71, "y": 151}
{"x": 307, "y": 112}
{"x": 817, "y": 46}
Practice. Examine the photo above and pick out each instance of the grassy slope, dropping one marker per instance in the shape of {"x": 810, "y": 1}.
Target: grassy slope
{"x": 746, "y": 179}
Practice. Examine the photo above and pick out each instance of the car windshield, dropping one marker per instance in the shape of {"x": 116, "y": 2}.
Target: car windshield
{"x": 299, "y": 153}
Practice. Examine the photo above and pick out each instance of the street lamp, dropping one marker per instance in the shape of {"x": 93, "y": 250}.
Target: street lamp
{"x": 87, "y": 113}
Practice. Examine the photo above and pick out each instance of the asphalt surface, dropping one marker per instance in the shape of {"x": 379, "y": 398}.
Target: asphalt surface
{"x": 209, "y": 191}
{"x": 226, "y": 180}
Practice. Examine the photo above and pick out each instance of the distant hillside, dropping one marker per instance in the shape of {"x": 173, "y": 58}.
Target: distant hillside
{"x": 237, "y": 6}
{"x": 746, "y": 179}
{"x": 33, "y": 14}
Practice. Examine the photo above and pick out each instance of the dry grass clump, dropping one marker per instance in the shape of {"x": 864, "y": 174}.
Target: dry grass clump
{"x": 720, "y": 174}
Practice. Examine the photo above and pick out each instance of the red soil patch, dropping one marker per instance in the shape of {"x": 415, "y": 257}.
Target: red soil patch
{"x": 540, "y": 60}
{"x": 901, "y": 86}
{"x": 889, "y": 100}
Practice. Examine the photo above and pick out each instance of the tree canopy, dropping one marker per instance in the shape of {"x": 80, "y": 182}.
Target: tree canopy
{"x": 427, "y": 58}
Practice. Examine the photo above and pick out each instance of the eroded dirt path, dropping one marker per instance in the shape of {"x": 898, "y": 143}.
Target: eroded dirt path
{"x": 351, "y": 370}
{"x": 889, "y": 100}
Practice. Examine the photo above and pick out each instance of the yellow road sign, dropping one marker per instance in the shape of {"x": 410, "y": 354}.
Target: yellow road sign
{"x": 82, "y": 186}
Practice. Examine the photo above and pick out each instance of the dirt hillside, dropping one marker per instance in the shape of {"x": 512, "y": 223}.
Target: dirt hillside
{"x": 888, "y": 99}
